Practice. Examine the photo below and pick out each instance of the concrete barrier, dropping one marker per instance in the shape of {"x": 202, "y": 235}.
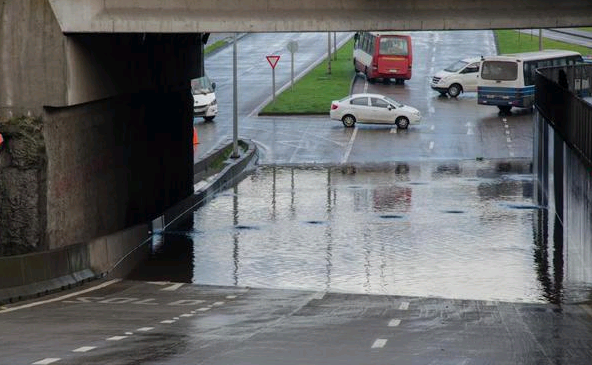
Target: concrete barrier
{"x": 35, "y": 274}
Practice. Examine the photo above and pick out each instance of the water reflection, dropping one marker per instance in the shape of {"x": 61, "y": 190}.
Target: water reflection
{"x": 382, "y": 230}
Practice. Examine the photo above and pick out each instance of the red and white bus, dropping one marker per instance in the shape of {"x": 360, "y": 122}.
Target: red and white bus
{"x": 386, "y": 55}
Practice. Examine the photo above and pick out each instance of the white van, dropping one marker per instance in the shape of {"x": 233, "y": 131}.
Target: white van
{"x": 459, "y": 77}
{"x": 204, "y": 98}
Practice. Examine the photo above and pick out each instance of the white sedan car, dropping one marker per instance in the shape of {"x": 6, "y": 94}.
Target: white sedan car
{"x": 373, "y": 108}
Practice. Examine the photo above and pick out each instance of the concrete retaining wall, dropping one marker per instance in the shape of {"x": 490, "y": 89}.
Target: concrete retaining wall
{"x": 113, "y": 255}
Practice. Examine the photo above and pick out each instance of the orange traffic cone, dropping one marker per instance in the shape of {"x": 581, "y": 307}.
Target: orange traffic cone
{"x": 195, "y": 139}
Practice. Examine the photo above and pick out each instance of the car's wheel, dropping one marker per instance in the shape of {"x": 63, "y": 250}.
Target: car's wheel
{"x": 348, "y": 120}
{"x": 504, "y": 109}
{"x": 454, "y": 90}
{"x": 209, "y": 119}
{"x": 402, "y": 122}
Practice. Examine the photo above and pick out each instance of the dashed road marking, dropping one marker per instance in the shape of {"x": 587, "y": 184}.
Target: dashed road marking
{"x": 431, "y": 145}
{"x": 404, "y": 306}
{"x": 129, "y": 333}
{"x": 393, "y": 130}
{"x": 173, "y": 287}
{"x": 49, "y": 360}
{"x": 145, "y": 329}
{"x": 230, "y": 296}
{"x": 187, "y": 315}
{"x": 203, "y": 309}
{"x": 379, "y": 343}
{"x": 34, "y": 304}
{"x": 116, "y": 338}
{"x": 394, "y": 322}
{"x": 84, "y": 349}
{"x": 432, "y": 127}
{"x": 509, "y": 139}
{"x": 218, "y": 303}
{"x": 168, "y": 321}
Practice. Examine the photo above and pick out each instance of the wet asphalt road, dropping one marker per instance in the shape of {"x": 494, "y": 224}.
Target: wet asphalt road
{"x": 348, "y": 246}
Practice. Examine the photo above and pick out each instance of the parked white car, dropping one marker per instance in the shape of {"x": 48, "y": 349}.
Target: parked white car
{"x": 204, "y": 98}
{"x": 373, "y": 108}
{"x": 459, "y": 77}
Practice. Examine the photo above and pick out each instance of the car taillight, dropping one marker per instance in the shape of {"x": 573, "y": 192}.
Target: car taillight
{"x": 333, "y": 106}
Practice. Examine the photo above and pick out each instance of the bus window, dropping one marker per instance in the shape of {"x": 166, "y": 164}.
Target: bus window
{"x": 499, "y": 70}
{"x": 393, "y": 46}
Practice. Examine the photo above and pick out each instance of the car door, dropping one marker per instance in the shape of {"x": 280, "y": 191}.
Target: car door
{"x": 360, "y": 109}
{"x": 381, "y": 113}
{"x": 469, "y": 77}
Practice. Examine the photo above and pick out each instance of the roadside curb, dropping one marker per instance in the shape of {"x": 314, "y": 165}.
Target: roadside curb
{"x": 41, "y": 273}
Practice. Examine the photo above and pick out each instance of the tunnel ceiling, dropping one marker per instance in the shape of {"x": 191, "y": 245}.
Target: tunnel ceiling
{"x": 182, "y": 16}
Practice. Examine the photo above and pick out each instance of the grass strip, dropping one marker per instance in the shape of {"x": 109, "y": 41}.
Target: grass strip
{"x": 511, "y": 41}
{"x": 313, "y": 93}
{"x": 214, "y": 46}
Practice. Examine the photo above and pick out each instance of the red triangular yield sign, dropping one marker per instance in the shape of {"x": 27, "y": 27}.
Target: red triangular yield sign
{"x": 273, "y": 60}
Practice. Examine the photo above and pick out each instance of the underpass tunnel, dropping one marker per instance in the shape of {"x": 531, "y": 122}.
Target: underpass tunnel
{"x": 122, "y": 148}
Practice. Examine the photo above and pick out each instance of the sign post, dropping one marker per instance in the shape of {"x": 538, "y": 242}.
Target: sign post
{"x": 273, "y": 60}
{"x": 293, "y": 48}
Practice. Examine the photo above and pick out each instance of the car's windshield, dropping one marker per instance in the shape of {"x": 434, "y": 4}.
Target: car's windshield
{"x": 456, "y": 66}
{"x": 201, "y": 85}
{"x": 394, "y": 102}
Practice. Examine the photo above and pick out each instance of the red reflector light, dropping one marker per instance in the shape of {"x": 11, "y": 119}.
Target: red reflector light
{"x": 333, "y": 106}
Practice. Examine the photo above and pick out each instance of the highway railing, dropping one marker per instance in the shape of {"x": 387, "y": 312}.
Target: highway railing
{"x": 563, "y": 97}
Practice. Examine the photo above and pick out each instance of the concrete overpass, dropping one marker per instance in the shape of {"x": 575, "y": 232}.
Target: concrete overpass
{"x": 177, "y": 16}
{"x": 95, "y": 102}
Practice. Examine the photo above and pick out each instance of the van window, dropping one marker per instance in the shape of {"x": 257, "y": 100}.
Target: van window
{"x": 499, "y": 70}
{"x": 202, "y": 85}
{"x": 456, "y": 66}
{"x": 472, "y": 68}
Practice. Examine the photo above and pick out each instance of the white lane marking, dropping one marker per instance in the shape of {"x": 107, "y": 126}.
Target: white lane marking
{"x": 365, "y": 85}
{"x": 394, "y": 322}
{"x": 129, "y": 333}
{"x": 116, "y": 338}
{"x": 187, "y": 315}
{"x": 145, "y": 329}
{"x": 318, "y": 295}
{"x": 393, "y": 130}
{"x": 84, "y": 349}
{"x": 432, "y": 110}
{"x": 431, "y": 145}
{"x": 173, "y": 287}
{"x": 380, "y": 342}
{"x": 218, "y": 303}
{"x": 230, "y": 296}
{"x": 511, "y": 154}
{"x": 168, "y": 321}
{"x": 504, "y": 120}
{"x": 469, "y": 126}
{"x": 49, "y": 360}
{"x": 432, "y": 127}
{"x": 176, "y": 318}
{"x": 62, "y": 297}
{"x": 349, "y": 146}
{"x": 507, "y": 132}
{"x": 509, "y": 139}
{"x": 158, "y": 282}
{"x": 404, "y": 306}
{"x": 203, "y": 309}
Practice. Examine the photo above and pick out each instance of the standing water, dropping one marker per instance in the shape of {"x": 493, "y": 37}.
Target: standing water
{"x": 464, "y": 230}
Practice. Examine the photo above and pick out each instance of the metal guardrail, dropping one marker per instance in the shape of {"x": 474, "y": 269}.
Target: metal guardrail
{"x": 563, "y": 97}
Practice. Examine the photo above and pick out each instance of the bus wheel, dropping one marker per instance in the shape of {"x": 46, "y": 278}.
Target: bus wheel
{"x": 355, "y": 66}
{"x": 348, "y": 120}
{"x": 454, "y": 90}
{"x": 402, "y": 122}
{"x": 504, "y": 109}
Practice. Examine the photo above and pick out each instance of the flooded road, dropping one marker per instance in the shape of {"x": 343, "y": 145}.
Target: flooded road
{"x": 461, "y": 230}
